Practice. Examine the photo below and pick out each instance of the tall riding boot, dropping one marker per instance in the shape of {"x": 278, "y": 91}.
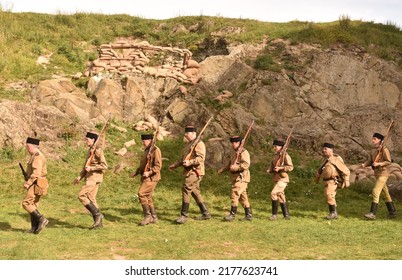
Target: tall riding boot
{"x": 204, "y": 212}
{"x": 391, "y": 210}
{"x": 153, "y": 215}
{"x": 285, "y": 211}
{"x": 183, "y": 213}
{"x": 40, "y": 220}
{"x": 274, "y": 210}
{"x": 34, "y": 224}
{"x": 232, "y": 214}
{"x": 248, "y": 214}
{"x": 147, "y": 215}
{"x": 332, "y": 212}
{"x": 373, "y": 211}
{"x": 96, "y": 214}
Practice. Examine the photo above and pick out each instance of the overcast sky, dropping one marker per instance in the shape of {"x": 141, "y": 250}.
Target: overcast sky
{"x": 380, "y": 11}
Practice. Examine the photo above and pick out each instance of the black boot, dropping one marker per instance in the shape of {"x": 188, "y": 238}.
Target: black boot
{"x": 34, "y": 224}
{"x": 147, "y": 215}
{"x": 232, "y": 214}
{"x": 183, "y": 213}
{"x": 153, "y": 215}
{"x": 204, "y": 212}
{"x": 285, "y": 211}
{"x": 40, "y": 220}
{"x": 332, "y": 212}
{"x": 373, "y": 211}
{"x": 391, "y": 210}
{"x": 96, "y": 214}
{"x": 248, "y": 214}
{"x": 274, "y": 210}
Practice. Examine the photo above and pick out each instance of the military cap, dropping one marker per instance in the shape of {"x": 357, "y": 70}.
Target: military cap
{"x": 378, "y": 136}
{"x": 328, "y": 145}
{"x": 235, "y": 139}
{"x": 91, "y": 135}
{"x": 146, "y": 136}
{"x": 190, "y": 128}
{"x": 33, "y": 141}
{"x": 278, "y": 143}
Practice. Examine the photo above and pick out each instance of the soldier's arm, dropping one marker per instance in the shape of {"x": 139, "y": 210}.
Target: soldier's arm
{"x": 244, "y": 162}
{"x": 386, "y": 156}
{"x": 36, "y": 170}
{"x": 157, "y": 162}
{"x": 199, "y": 151}
{"x": 288, "y": 165}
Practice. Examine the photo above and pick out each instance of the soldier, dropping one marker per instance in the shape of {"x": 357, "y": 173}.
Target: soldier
{"x": 149, "y": 169}
{"x": 240, "y": 179}
{"x": 35, "y": 184}
{"x": 381, "y": 173}
{"x": 93, "y": 171}
{"x": 281, "y": 179}
{"x": 193, "y": 172}
{"x": 333, "y": 171}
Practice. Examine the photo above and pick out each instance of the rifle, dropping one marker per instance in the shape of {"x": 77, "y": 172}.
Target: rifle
{"x": 382, "y": 144}
{"x": 240, "y": 149}
{"x": 95, "y": 144}
{"x": 23, "y": 172}
{"x": 282, "y": 154}
{"x": 198, "y": 139}
{"x": 151, "y": 147}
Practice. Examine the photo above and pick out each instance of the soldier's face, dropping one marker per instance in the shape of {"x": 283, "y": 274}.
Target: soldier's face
{"x": 235, "y": 145}
{"x": 146, "y": 143}
{"x": 190, "y": 136}
{"x": 30, "y": 148}
{"x": 277, "y": 148}
{"x": 327, "y": 151}
{"x": 89, "y": 141}
{"x": 376, "y": 141}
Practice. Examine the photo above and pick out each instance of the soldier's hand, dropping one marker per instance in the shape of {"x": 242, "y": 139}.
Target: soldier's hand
{"x": 25, "y": 186}
{"x": 233, "y": 167}
{"x": 146, "y": 174}
{"x": 132, "y": 175}
{"x": 171, "y": 167}
{"x": 347, "y": 184}
{"x": 76, "y": 181}
{"x": 220, "y": 171}
{"x": 186, "y": 163}
{"x": 87, "y": 168}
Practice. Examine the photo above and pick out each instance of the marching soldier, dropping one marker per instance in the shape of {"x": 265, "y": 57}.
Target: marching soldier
{"x": 333, "y": 171}
{"x": 240, "y": 179}
{"x": 193, "y": 172}
{"x": 381, "y": 173}
{"x": 149, "y": 169}
{"x": 93, "y": 171}
{"x": 281, "y": 179}
{"x": 35, "y": 184}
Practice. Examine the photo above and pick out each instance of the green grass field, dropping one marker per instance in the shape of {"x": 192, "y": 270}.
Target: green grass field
{"x": 307, "y": 236}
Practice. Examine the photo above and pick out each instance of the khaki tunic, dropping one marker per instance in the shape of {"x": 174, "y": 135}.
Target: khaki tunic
{"x": 330, "y": 173}
{"x": 240, "y": 178}
{"x": 36, "y": 168}
{"x": 381, "y": 173}
{"x": 93, "y": 178}
{"x": 193, "y": 173}
{"x": 281, "y": 178}
{"x": 147, "y": 188}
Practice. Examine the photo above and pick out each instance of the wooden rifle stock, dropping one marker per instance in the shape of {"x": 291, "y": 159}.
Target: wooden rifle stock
{"x": 96, "y": 142}
{"x": 198, "y": 139}
{"x": 382, "y": 145}
{"x": 282, "y": 155}
{"x": 240, "y": 149}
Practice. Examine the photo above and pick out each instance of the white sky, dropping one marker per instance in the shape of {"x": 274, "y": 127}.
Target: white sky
{"x": 380, "y": 11}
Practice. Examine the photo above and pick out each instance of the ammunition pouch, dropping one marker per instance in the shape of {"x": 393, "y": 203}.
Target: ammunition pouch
{"x": 40, "y": 187}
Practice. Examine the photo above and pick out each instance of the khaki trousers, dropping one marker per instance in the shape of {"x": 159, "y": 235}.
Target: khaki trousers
{"x": 146, "y": 193}
{"x": 88, "y": 193}
{"x": 239, "y": 194}
{"x": 191, "y": 188}
{"x": 278, "y": 192}
{"x": 381, "y": 187}
{"x": 330, "y": 192}
{"x": 31, "y": 201}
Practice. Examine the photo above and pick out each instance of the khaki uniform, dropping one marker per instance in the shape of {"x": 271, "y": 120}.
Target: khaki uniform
{"x": 193, "y": 173}
{"x": 330, "y": 173}
{"x": 147, "y": 188}
{"x": 240, "y": 179}
{"x": 93, "y": 178}
{"x": 280, "y": 178}
{"x": 36, "y": 169}
{"x": 381, "y": 173}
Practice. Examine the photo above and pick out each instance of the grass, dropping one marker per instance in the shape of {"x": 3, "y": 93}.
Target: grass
{"x": 306, "y": 236}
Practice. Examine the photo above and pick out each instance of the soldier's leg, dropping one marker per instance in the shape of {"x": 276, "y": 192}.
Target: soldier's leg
{"x": 234, "y": 198}
{"x": 388, "y": 202}
{"x": 243, "y": 199}
{"x": 144, "y": 194}
{"x": 330, "y": 193}
{"x": 30, "y": 204}
{"x": 378, "y": 187}
{"x": 186, "y": 191}
{"x": 87, "y": 197}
